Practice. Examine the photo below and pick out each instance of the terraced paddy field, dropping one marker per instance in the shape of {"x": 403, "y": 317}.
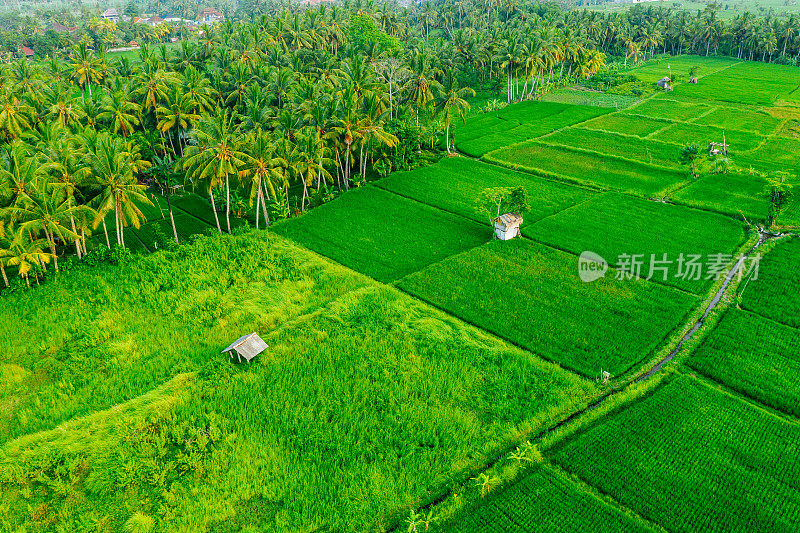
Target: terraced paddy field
{"x": 755, "y": 356}
{"x": 615, "y": 144}
{"x": 747, "y": 82}
{"x": 618, "y": 226}
{"x": 673, "y": 67}
{"x": 453, "y": 184}
{"x": 693, "y": 458}
{"x": 736, "y": 195}
{"x": 380, "y": 233}
{"x": 774, "y": 293}
{"x": 531, "y": 295}
{"x": 528, "y": 120}
{"x": 544, "y": 501}
{"x": 588, "y": 168}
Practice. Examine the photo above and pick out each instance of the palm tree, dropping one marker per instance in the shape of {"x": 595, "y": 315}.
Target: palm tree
{"x": 86, "y": 68}
{"x": 110, "y": 161}
{"x": 176, "y": 115}
{"x": 24, "y": 253}
{"x": 262, "y": 168}
{"x": 452, "y": 103}
{"x": 216, "y": 157}
{"x": 47, "y": 209}
{"x": 120, "y": 113}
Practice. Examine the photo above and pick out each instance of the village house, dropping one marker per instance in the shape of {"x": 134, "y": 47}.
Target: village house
{"x": 155, "y": 20}
{"x": 211, "y": 15}
{"x": 27, "y": 52}
{"x": 111, "y": 15}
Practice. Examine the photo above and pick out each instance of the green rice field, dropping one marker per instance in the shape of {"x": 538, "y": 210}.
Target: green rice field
{"x": 735, "y": 195}
{"x": 693, "y": 458}
{"x": 615, "y": 226}
{"x": 533, "y": 297}
{"x": 453, "y": 184}
{"x": 755, "y": 356}
{"x": 587, "y": 167}
{"x": 363, "y": 230}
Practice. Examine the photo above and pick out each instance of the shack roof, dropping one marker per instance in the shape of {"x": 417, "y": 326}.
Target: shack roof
{"x": 508, "y": 221}
{"x": 247, "y": 346}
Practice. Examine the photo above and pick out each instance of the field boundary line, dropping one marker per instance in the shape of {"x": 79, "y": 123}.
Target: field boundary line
{"x": 607, "y": 499}
{"x": 741, "y": 395}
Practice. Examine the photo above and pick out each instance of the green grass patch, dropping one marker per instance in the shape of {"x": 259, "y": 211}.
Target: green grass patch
{"x": 774, "y": 293}
{"x": 646, "y": 151}
{"x": 531, "y": 294}
{"x": 96, "y": 336}
{"x": 754, "y": 356}
{"x": 543, "y": 501}
{"x": 613, "y": 224}
{"x": 576, "y": 96}
{"x": 627, "y": 124}
{"x": 588, "y": 167}
{"x": 738, "y": 141}
{"x": 455, "y": 183}
{"x": 731, "y": 194}
{"x": 666, "y": 109}
{"x": 731, "y": 118}
{"x": 382, "y": 234}
{"x": 692, "y": 458}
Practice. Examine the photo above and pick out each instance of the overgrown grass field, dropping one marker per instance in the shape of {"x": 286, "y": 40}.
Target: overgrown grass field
{"x": 365, "y": 401}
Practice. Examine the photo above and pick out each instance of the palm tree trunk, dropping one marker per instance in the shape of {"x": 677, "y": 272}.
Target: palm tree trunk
{"x": 258, "y": 204}
{"x": 3, "y": 271}
{"x": 105, "y": 230}
{"x": 228, "y": 203}
{"x": 264, "y": 205}
{"x": 77, "y": 240}
{"x": 171, "y": 218}
{"x": 214, "y": 209}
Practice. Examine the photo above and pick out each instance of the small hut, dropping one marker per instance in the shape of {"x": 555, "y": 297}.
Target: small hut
{"x": 715, "y": 148}
{"x": 665, "y": 83}
{"x": 247, "y": 346}
{"x": 507, "y": 226}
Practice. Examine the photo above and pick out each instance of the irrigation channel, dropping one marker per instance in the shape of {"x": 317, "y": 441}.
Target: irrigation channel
{"x": 763, "y": 236}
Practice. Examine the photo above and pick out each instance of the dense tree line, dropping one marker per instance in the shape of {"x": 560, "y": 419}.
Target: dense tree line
{"x": 310, "y": 101}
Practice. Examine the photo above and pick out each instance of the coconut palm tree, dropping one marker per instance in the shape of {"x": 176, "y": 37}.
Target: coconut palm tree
{"x": 25, "y": 253}
{"x": 452, "y": 103}
{"x": 110, "y": 161}
{"x": 217, "y": 156}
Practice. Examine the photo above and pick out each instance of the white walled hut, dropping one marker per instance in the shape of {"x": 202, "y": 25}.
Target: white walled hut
{"x": 665, "y": 83}
{"x": 507, "y": 226}
{"x": 247, "y": 346}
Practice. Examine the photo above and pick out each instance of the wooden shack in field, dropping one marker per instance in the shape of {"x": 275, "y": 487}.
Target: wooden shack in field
{"x": 665, "y": 83}
{"x": 247, "y": 346}
{"x": 507, "y": 226}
